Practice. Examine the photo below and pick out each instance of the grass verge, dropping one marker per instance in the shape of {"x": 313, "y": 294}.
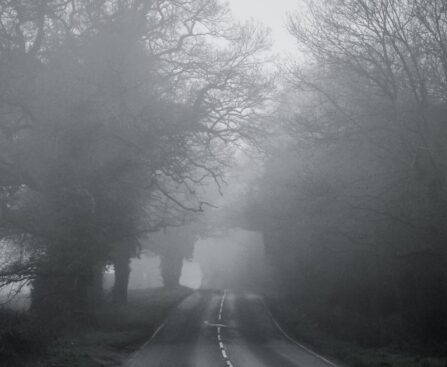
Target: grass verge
{"x": 107, "y": 342}
{"x": 348, "y": 353}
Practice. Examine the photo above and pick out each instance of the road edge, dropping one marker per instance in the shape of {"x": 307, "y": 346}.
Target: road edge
{"x": 293, "y": 341}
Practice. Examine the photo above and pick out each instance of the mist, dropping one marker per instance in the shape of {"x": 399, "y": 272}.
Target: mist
{"x": 210, "y": 183}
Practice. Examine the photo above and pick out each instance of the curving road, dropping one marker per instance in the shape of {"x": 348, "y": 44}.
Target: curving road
{"x": 223, "y": 329}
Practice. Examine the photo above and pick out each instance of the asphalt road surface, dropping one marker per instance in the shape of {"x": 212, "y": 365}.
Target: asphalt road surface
{"x": 223, "y": 329}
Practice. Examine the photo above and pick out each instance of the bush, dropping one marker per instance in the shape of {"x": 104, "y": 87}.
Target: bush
{"x": 21, "y": 336}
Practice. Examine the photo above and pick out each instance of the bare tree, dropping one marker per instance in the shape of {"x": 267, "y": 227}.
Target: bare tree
{"x": 118, "y": 107}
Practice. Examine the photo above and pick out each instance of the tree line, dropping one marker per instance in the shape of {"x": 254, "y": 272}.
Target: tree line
{"x": 115, "y": 118}
{"x": 353, "y": 200}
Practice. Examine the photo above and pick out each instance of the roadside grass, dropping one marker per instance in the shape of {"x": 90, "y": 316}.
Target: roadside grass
{"x": 347, "y": 353}
{"x": 107, "y": 341}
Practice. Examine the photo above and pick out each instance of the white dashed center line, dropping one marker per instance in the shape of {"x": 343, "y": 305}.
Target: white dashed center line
{"x": 221, "y": 305}
{"x": 219, "y": 336}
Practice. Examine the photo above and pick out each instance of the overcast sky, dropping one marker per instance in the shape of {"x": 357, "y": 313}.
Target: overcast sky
{"x": 273, "y": 14}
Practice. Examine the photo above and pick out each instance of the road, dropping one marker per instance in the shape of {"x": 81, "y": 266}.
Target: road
{"x": 223, "y": 329}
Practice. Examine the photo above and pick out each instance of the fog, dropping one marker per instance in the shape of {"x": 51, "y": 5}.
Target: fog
{"x": 233, "y": 260}
{"x": 206, "y": 183}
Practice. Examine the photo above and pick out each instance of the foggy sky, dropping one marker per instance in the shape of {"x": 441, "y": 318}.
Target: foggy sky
{"x": 273, "y": 14}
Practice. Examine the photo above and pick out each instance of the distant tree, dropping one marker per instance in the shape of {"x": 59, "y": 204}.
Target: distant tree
{"x": 174, "y": 245}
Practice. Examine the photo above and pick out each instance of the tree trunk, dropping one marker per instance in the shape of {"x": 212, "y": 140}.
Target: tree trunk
{"x": 122, "y": 271}
{"x": 51, "y": 297}
{"x": 171, "y": 269}
{"x": 57, "y": 295}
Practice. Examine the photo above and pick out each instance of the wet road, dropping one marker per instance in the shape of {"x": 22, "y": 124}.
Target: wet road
{"x": 223, "y": 329}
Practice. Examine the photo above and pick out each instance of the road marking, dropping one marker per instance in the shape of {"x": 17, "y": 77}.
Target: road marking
{"x": 137, "y": 353}
{"x": 157, "y": 331}
{"x": 290, "y": 339}
{"x": 206, "y": 323}
{"x": 221, "y": 305}
{"x": 219, "y": 337}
